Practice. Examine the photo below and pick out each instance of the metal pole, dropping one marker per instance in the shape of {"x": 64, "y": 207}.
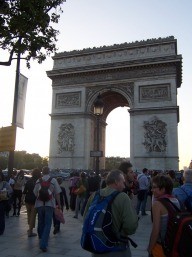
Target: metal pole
{"x": 14, "y": 117}
{"x": 97, "y": 158}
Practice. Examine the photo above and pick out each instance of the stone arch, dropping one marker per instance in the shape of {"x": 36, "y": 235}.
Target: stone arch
{"x": 123, "y": 97}
{"x": 143, "y": 76}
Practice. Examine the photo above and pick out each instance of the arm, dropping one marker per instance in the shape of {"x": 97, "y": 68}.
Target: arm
{"x": 127, "y": 217}
{"x": 57, "y": 197}
{"x": 65, "y": 198}
{"x": 156, "y": 209}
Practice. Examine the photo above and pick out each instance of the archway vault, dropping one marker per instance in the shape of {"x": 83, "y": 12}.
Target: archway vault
{"x": 143, "y": 76}
{"x": 112, "y": 97}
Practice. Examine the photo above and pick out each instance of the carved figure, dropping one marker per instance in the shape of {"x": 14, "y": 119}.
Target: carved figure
{"x": 66, "y": 138}
{"x": 155, "y": 135}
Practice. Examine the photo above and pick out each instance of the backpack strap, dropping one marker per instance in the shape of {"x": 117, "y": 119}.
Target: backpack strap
{"x": 169, "y": 205}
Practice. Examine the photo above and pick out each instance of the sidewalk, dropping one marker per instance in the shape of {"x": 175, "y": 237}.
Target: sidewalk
{"x": 15, "y": 243}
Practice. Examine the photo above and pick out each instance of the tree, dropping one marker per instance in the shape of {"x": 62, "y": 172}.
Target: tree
{"x": 24, "y": 160}
{"x": 114, "y": 162}
{"x": 25, "y": 28}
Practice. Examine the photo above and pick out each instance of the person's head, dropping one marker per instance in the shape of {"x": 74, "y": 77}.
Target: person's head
{"x": 187, "y": 176}
{"x": 171, "y": 173}
{"x": 20, "y": 174}
{"x": 92, "y": 174}
{"x": 162, "y": 184}
{"x": 59, "y": 180}
{"x": 145, "y": 171}
{"x": 36, "y": 173}
{"x": 45, "y": 170}
{"x": 105, "y": 175}
{"x": 83, "y": 175}
{"x": 116, "y": 180}
{"x": 126, "y": 168}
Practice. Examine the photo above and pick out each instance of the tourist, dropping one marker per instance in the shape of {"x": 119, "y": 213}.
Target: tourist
{"x": 5, "y": 191}
{"x": 30, "y": 199}
{"x": 45, "y": 209}
{"x": 63, "y": 202}
{"x": 81, "y": 193}
{"x": 144, "y": 183}
{"x": 18, "y": 192}
{"x": 186, "y": 189}
{"x": 162, "y": 187}
{"x": 126, "y": 168}
{"x": 124, "y": 217}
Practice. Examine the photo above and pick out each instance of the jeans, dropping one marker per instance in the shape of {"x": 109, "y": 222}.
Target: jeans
{"x": 45, "y": 215}
{"x": 141, "y": 205}
{"x": 79, "y": 205}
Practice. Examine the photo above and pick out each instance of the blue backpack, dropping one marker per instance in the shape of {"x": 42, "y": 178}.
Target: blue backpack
{"x": 97, "y": 234}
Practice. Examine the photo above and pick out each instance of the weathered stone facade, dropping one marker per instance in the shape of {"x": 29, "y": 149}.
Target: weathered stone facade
{"x": 143, "y": 76}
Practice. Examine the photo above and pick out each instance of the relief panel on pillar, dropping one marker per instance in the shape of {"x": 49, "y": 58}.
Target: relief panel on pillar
{"x": 155, "y": 135}
{"x": 66, "y": 138}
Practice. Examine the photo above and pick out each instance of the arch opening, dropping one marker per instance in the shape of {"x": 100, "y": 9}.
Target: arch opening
{"x": 118, "y": 133}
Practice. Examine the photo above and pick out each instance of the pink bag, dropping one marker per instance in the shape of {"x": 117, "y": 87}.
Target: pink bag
{"x": 59, "y": 215}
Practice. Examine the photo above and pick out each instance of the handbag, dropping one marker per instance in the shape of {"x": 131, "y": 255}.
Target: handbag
{"x": 80, "y": 190}
{"x": 59, "y": 215}
{"x": 157, "y": 251}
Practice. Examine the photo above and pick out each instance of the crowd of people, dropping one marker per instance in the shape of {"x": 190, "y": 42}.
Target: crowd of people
{"x": 82, "y": 188}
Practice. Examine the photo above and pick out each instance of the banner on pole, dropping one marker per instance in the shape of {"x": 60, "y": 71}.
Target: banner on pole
{"x": 7, "y": 138}
{"x": 22, "y": 90}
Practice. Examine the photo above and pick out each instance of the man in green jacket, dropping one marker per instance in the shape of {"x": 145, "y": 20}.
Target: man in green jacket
{"x": 124, "y": 217}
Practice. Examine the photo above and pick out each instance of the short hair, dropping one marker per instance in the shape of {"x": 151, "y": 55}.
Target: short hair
{"x": 171, "y": 174}
{"x": 163, "y": 181}
{"x": 124, "y": 166}
{"x": 145, "y": 170}
{"x": 113, "y": 176}
{"x": 83, "y": 175}
{"x": 187, "y": 176}
{"x": 36, "y": 173}
{"x": 20, "y": 174}
{"x": 45, "y": 170}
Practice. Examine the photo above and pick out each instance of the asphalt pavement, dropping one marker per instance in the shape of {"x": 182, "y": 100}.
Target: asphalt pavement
{"x": 15, "y": 242}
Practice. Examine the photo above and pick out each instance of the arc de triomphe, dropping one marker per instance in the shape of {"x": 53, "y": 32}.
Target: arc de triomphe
{"x": 143, "y": 76}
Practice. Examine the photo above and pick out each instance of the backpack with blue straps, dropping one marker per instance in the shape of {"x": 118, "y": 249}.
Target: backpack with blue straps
{"x": 97, "y": 233}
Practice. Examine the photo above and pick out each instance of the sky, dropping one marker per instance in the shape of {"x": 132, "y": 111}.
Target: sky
{"x": 95, "y": 23}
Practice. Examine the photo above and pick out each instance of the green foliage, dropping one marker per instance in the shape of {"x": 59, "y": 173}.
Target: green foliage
{"x": 113, "y": 162}
{"x": 24, "y": 160}
{"x": 25, "y": 28}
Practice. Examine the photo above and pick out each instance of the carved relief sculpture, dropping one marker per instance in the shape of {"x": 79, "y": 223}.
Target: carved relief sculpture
{"x": 68, "y": 99}
{"x": 66, "y": 138}
{"x": 154, "y": 93}
{"x": 155, "y": 135}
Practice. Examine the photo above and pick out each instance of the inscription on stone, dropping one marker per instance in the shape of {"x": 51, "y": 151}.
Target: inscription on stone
{"x": 66, "y": 138}
{"x": 154, "y": 93}
{"x": 155, "y": 135}
{"x": 68, "y": 99}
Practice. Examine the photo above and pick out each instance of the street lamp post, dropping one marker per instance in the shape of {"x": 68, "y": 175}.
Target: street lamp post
{"x": 98, "y": 111}
{"x": 14, "y": 117}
